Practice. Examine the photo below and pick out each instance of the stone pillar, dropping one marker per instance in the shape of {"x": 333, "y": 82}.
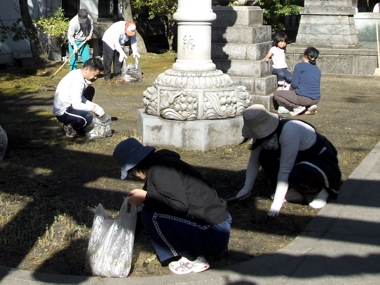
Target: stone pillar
{"x": 194, "y": 19}
{"x": 327, "y": 23}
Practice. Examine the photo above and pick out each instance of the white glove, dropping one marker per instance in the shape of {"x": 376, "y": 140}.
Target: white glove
{"x": 275, "y": 209}
{"x": 242, "y": 193}
{"x": 98, "y": 110}
{"x": 136, "y": 54}
{"x": 122, "y": 56}
{"x": 75, "y": 49}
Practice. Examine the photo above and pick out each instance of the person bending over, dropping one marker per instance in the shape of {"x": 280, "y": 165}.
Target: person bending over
{"x": 182, "y": 213}
{"x": 300, "y": 163}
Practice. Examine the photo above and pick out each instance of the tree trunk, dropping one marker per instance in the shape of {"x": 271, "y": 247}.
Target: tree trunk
{"x": 39, "y": 55}
{"x": 141, "y": 48}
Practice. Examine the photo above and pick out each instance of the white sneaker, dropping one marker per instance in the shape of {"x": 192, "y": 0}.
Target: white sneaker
{"x": 298, "y": 111}
{"x": 184, "y": 266}
{"x": 320, "y": 200}
{"x": 286, "y": 86}
{"x": 282, "y": 110}
{"x": 312, "y": 110}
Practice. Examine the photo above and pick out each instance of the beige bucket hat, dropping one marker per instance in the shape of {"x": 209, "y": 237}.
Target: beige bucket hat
{"x": 258, "y": 122}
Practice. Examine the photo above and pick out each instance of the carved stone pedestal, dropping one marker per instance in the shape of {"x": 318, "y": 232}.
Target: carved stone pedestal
{"x": 193, "y": 105}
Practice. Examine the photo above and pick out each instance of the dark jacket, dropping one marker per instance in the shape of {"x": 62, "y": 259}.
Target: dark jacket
{"x": 176, "y": 188}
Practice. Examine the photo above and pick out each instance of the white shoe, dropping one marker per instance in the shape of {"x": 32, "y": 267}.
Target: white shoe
{"x": 298, "y": 111}
{"x": 320, "y": 200}
{"x": 282, "y": 110}
{"x": 286, "y": 86}
{"x": 184, "y": 266}
{"x": 312, "y": 110}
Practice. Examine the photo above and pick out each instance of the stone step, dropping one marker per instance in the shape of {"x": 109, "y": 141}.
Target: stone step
{"x": 240, "y": 51}
{"x": 237, "y": 16}
{"x": 258, "y": 86}
{"x": 244, "y": 68}
{"x": 241, "y": 34}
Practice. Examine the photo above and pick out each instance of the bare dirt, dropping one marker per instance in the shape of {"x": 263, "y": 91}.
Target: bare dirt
{"x": 50, "y": 185}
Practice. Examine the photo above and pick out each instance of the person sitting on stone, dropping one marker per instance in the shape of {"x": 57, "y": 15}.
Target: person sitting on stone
{"x": 305, "y": 91}
{"x": 300, "y": 163}
{"x": 280, "y": 67}
{"x": 182, "y": 213}
{"x": 73, "y": 101}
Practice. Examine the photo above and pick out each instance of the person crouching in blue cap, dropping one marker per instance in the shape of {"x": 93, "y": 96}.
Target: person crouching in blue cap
{"x": 182, "y": 214}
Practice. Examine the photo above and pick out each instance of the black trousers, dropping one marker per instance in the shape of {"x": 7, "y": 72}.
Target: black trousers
{"x": 304, "y": 185}
{"x": 111, "y": 56}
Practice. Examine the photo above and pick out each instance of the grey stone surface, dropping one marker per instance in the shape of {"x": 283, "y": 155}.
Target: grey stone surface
{"x": 199, "y": 135}
{"x": 327, "y": 23}
{"x": 337, "y": 60}
{"x": 238, "y": 16}
{"x": 240, "y": 41}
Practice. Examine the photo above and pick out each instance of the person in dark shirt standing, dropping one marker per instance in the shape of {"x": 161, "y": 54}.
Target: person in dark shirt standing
{"x": 182, "y": 213}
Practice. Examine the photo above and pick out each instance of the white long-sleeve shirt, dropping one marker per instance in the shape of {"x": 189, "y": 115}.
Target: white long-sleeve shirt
{"x": 115, "y": 37}
{"x": 79, "y": 32}
{"x": 69, "y": 93}
{"x": 295, "y": 136}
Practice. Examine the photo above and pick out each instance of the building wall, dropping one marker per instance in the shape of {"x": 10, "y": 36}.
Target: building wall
{"x": 9, "y": 13}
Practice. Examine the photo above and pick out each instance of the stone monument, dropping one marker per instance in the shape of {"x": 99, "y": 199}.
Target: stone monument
{"x": 193, "y": 105}
{"x": 329, "y": 25}
{"x": 240, "y": 41}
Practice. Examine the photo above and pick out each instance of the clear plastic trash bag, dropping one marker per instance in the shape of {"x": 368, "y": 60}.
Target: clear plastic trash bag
{"x": 131, "y": 72}
{"x": 110, "y": 247}
{"x": 3, "y": 143}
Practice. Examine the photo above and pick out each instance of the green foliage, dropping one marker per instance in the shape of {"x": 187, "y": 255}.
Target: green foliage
{"x": 55, "y": 26}
{"x": 154, "y": 8}
{"x": 16, "y": 32}
{"x": 276, "y": 10}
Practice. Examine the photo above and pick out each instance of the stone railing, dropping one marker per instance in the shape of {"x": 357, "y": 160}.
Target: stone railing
{"x": 236, "y": 2}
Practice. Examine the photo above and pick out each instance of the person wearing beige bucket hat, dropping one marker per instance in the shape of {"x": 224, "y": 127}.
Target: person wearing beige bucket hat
{"x": 300, "y": 163}
{"x": 114, "y": 39}
{"x": 182, "y": 213}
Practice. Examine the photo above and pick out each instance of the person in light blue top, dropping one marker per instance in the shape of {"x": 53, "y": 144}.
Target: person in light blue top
{"x": 305, "y": 91}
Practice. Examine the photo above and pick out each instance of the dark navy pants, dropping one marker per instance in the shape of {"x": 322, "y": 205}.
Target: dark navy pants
{"x": 78, "y": 118}
{"x": 182, "y": 236}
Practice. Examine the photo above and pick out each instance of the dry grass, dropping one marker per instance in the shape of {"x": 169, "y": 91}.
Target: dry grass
{"x": 50, "y": 186}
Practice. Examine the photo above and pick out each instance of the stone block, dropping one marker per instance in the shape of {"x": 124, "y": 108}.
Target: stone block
{"x": 265, "y": 85}
{"x": 240, "y": 51}
{"x": 248, "y": 82}
{"x": 237, "y": 16}
{"x": 243, "y": 67}
{"x": 324, "y": 3}
{"x": 241, "y": 34}
{"x": 264, "y": 100}
{"x": 201, "y": 135}
{"x": 335, "y": 60}
{"x": 328, "y": 10}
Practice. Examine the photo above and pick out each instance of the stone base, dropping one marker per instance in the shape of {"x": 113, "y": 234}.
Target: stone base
{"x": 334, "y": 60}
{"x": 201, "y": 135}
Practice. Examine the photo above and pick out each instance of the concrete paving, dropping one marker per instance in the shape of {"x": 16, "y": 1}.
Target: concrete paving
{"x": 341, "y": 245}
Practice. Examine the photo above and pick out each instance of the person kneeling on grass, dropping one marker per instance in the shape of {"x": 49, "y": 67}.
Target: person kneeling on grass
{"x": 182, "y": 213}
{"x": 73, "y": 103}
{"x": 301, "y": 164}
